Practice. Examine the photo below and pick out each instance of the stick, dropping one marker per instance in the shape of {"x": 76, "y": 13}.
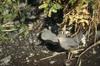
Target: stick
{"x": 95, "y": 44}
{"x": 51, "y": 56}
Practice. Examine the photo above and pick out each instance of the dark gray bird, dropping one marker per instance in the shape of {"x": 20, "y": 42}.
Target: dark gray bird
{"x": 68, "y": 42}
{"x": 48, "y": 35}
{"x": 65, "y": 42}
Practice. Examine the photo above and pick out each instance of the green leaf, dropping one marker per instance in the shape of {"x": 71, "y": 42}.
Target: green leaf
{"x": 72, "y": 2}
{"x": 54, "y": 10}
{"x": 49, "y": 13}
{"x": 58, "y": 6}
{"x": 45, "y": 5}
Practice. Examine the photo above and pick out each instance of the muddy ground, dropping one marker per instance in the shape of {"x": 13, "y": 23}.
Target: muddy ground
{"x": 30, "y": 52}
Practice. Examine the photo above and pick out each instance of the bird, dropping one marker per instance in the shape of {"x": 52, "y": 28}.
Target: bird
{"x": 47, "y": 35}
{"x": 65, "y": 42}
{"x": 68, "y": 42}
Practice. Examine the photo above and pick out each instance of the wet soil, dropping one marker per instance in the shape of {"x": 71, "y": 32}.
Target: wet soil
{"x": 28, "y": 52}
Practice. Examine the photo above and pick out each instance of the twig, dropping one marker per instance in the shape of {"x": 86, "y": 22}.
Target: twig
{"x": 95, "y": 44}
{"x": 51, "y": 56}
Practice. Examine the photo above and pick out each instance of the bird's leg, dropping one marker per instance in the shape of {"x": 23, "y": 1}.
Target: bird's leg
{"x": 70, "y": 55}
{"x": 70, "y": 59}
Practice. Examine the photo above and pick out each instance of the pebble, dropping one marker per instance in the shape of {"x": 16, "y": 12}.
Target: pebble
{"x": 5, "y": 60}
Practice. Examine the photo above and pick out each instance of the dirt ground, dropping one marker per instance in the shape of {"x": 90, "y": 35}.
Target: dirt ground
{"x": 26, "y": 52}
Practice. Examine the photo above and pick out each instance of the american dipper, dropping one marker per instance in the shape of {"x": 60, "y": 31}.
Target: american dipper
{"x": 48, "y": 35}
{"x": 65, "y": 42}
{"x": 68, "y": 42}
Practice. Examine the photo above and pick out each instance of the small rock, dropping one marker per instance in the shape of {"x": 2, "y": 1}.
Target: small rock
{"x": 52, "y": 62}
{"x": 5, "y": 60}
{"x": 44, "y": 51}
